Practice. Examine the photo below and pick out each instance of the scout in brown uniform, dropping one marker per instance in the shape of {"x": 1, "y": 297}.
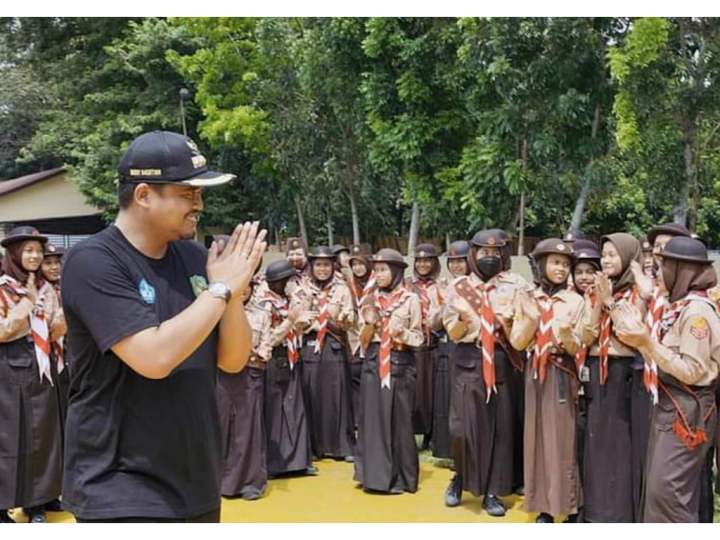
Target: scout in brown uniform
{"x": 288, "y": 437}
{"x": 609, "y": 482}
{"x": 50, "y": 276}
{"x": 240, "y": 403}
{"x": 586, "y": 266}
{"x": 51, "y": 269}
{"x": 483, "y": 415}
{"x": 688, "y": 363}
{"x": 551, "y": 329}
{"x": 457, "y": 266}
{"x": 714, "y": 295}
{"x": 325, "y": 365}
{"x": 296, "y": 253}
{"x": 426, "y": 284}
{"x": 517, "y": 381}
{"x": 386, "y": 459}
{"x": 342, "y": 261}
{"x": 648, "y": 259}
{"x": 361, "y": 284}
{"x": 642, "y": 393}
{"x": 585, "y": 269}
{"x": 30, "y": 436}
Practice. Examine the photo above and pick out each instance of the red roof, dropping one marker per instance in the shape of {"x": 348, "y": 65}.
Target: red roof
{"x": 9, "y": 186}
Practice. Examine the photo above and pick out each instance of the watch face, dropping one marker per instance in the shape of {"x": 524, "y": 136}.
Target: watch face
{"x": 219, "y": 289}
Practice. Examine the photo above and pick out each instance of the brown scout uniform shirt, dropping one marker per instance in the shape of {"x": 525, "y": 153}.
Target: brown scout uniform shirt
{"x": 341, "y": 308}
{"x": 15, "y": 323}
{"x": 407, "y": 316}
{"x": 591, "y": 328}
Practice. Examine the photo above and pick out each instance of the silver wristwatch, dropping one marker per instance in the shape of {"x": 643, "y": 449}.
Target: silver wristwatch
{"x": 220, "y": 290}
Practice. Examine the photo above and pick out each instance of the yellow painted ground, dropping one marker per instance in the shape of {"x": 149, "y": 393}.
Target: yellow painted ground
{"x": 332, "y": 496}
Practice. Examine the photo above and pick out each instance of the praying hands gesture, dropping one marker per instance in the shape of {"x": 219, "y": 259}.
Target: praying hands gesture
{"x": 632, "y": 331}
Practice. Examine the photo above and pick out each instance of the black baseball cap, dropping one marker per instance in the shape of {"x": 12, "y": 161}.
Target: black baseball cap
{"x": 167, "y": 158}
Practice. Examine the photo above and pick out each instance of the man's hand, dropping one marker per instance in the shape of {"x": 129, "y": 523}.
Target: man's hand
{"x": 234, "y": 263}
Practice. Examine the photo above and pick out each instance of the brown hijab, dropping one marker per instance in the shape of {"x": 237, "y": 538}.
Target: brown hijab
{"x": 682, "y": 277}
{"x": 629, "y": 249}
{"x": 366, "y": 261}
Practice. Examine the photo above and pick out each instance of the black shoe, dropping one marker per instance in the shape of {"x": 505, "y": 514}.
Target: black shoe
{"x": 425, "y": 442}
{"x": 5, "y": 517}
{"x": 544, "y": 518}
{"x": 396, "y": 491}
{"x": 36, "y": 514}
{"x": 576, "y": 519}
{"x": 494, "y": 506}
{"x": 53, "y": 506}
{"x": 453, "y": 494}
{"x": 312, "y": 470}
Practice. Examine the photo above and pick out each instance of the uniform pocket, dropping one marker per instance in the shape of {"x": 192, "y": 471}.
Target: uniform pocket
{"x": 281, "y": 371}
{"x": 20, "y": 357}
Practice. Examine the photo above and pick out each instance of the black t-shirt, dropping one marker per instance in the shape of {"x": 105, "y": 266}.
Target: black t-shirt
{"x": 136, "y": 447}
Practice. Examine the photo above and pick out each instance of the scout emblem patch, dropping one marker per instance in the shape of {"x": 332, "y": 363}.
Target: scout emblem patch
{"x": 699, "y": 328}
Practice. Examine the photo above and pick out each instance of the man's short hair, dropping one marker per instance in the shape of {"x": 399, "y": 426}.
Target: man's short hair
{"x": 126, "y": 192}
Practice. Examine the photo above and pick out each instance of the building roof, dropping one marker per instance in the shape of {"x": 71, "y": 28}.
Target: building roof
{"x": 10, "y": 186}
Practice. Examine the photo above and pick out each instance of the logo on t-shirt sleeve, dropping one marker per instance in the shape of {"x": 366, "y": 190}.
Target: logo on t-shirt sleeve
{"x": 147, "y": 292}
{"x": 199, "y": 284}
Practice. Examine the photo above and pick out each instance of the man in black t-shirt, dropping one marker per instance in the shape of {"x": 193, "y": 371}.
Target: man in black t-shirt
{"x": 150, "y": 316}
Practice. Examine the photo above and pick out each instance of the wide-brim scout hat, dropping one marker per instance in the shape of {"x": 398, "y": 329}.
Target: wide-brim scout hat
{"x": 645, "y": 244}
{"x": 551, "y": 246}
{"x": 279, "y": 270}
{"x": 458, "y": 250}
{"x": 588, "y": 255}
{"x": 295, "y": 243}
{"x": 489, "y": 238}
{"x": 390, "y": 256}
{"x": 686, "y": 249}
{"x": 672, "y": 229}
{"x": 22, "y": 233}
{"x": 360, "y": 251}
{"x": 322, "y": 252}
{"x": 425, "y": 251}
{"x": 337, "y": 249}
{"x": 50, "y": 250}
{"x": 572, "y": 236}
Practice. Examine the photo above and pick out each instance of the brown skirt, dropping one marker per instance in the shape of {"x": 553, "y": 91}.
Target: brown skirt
{"x": 608, "y": 456}
{"x": 672, "y": 489}
{"x": 425, "y": 359}
{"x": 641, "y": 412}
{"x": 240, "y": 403}
{"x": 356, "y": 367}
{"x": 440, "y": 444}
{"x": 288, "y": 439}
{"x": 552, "y": 477}
{"x": 326, "y": 388}
{"x": 386, "y": 455}
{"x": 483, "y": 433}
{"x": 30, "y": 436}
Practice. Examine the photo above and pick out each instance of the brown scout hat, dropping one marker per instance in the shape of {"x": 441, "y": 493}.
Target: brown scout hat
{"x": 390, "y": 256}
{"x": 296, "y": 243}
{"x": 551, "y": 246}
{"x": 22, "y": 233}
{"x": 672, "y": 229}
{"x": 425, "y": 251}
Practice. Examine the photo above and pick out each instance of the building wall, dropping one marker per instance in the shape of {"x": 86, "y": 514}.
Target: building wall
{"x": 52, "y": 198}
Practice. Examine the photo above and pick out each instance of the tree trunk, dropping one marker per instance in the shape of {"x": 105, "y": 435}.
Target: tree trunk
{"x": 681, "y": 206}
{"x": 353, "y": 211}
{"x": 585, "y": 190}
{"x": 447, "y": 242}
{"x": 521, "y": 227}
{"x": 331, "y": 239}
{"x": 277, "y": 239}
{"x": 414, "y": 227}
{"x": 580, "y": 206}
{"x": 301, "y": 220}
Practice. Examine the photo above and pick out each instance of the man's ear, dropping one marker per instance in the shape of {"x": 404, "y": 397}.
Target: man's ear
{"x": 142, "y": 195}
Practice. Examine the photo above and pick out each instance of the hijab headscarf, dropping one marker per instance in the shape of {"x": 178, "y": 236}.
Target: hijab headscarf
{"x": 397, "y": 278}
{"x": 549, "y": 287}
{"x": 434, "y": 273}
{"x": 629, "y": 249}
{"x": 682, "y": 277}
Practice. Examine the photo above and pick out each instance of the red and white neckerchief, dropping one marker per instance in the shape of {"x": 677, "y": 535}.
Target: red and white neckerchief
{"x": 656, "y": 309}
{"x": 606, "y": 330}
{"x": 58, "y": 345}
{"x": 280, "y": 308}
{"x": 361, "y": 295}
{"x": 323, "y": 304}
{"x": 39, "y": 329}
{"x": 41, "y": 338}
{"x": 477, "y": 295}
{"x": 487, "y": 337}
{"x": 543, "y": 337}
{"x": 385, "y": 305}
